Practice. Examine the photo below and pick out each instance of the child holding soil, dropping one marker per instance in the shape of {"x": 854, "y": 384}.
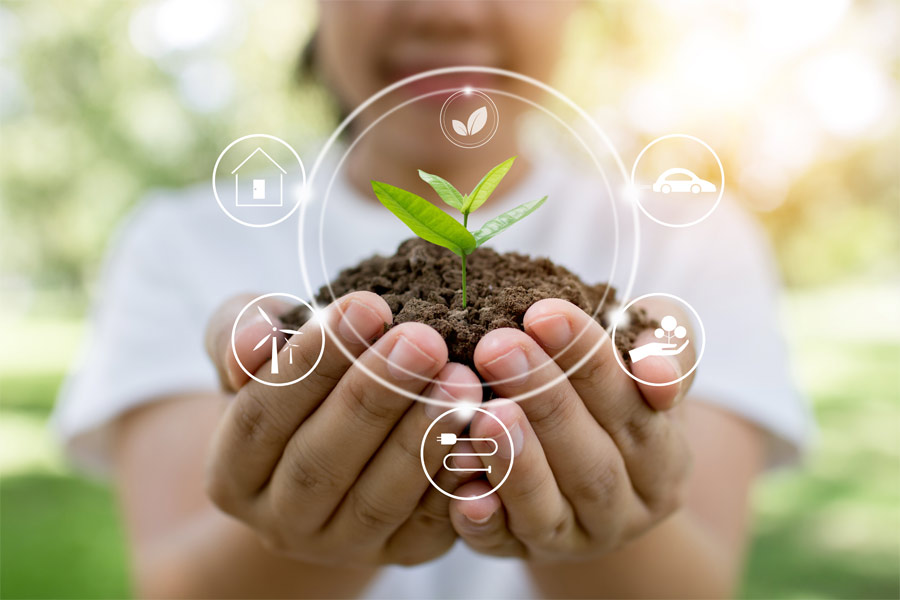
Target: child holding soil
{"x": 315, "y": 489}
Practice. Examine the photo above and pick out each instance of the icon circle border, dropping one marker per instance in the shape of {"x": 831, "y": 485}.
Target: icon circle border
{"x": 450, "y": 100}
{"x": 512, "y": 458}
{"x": 702, "y": 339}
{"x": 302, "y": 185}
{"x": 637, "y": 196}
{"x": 234, "y": 332}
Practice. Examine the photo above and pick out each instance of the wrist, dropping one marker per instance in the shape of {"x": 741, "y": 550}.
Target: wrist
{"x": 212, "y": 555}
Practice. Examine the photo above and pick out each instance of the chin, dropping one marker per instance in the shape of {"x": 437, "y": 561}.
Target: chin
{"x": 416, "y": 138}
{"x": 426, "y": 153}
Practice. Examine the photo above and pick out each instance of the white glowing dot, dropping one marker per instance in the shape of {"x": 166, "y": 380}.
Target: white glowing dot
{"x": 618, "y": 317}
{"x": 462, "y": 411}
{"x": 630, "y": 193}
{"x": 314, "y": 317}
{"x": 467, "y": 90}
{"x": 466, "y": 414}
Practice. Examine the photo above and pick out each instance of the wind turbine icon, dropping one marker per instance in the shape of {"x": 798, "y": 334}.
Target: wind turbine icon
{"x": 291, "y": 351}
{"x": 274, "y": 335}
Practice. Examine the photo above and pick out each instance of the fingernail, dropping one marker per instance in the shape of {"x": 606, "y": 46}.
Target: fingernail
{"x": 676, "y": 367}
{"x": 442, "y": 394}
{"x": 233, "y": 377}
{"x": 503, "y": 450}
{"x": 433, "y": 411}
{"x": 249, "y": 331}
{"x": 359, "y": 323}
{"x": 451, "y": 395}
{"x": 406, "y": 360}
{"x": 248, "y": 323}
{"x": 511, "y": 368}
{"x": 553, "y": 331}
{"x": 515, "y": 432}
{"x": 479, "y": 521}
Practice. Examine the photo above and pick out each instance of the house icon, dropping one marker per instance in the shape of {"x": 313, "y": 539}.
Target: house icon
{"x": 258, "y": 195}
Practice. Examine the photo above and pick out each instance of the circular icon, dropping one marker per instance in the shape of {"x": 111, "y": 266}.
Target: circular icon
{"x": 469, "y": 118}
{"x": 672, "y": 336}
{"x": 261, "y": 182}
{"x": 269, "y": 342}
{"x": 449, "y": 439}
{"x": 674, "y": 180}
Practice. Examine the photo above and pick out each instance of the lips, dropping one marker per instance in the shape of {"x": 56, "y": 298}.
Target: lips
{"x": 394, "y": 72}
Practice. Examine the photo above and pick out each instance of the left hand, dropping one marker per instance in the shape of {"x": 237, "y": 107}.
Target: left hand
{"x": 598, "y": 459}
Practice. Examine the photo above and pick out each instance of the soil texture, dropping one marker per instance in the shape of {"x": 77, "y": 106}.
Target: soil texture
{"x": 421, "y": 282}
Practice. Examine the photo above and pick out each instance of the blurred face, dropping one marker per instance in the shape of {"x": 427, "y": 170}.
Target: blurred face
{"x": 367, "y": 45}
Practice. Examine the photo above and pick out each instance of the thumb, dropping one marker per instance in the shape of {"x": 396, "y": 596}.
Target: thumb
{"x": 662, "y": 369}
{"x": 251, "y": 329}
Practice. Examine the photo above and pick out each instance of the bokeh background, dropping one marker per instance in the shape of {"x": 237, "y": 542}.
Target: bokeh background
{"x": 104, "y": 101}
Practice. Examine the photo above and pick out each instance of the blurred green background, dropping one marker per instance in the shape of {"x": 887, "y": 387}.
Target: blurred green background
{"x": 101, "y": 102}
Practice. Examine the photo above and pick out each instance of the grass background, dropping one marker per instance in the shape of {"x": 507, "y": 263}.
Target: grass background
{"x": 827, "y": 530}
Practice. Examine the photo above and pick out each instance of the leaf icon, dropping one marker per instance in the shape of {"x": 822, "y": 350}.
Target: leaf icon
{"x": 459, "y": 128}
{"x": 476, "y": 121}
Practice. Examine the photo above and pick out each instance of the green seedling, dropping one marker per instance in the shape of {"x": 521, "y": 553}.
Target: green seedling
{"x": 434, "y": 225}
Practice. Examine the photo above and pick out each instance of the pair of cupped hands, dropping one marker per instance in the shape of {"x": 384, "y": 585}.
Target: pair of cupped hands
{"x": 328, "y": 470}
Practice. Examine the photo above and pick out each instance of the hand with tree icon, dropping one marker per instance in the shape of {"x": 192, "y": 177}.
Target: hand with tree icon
{"x": 668, "y": 329}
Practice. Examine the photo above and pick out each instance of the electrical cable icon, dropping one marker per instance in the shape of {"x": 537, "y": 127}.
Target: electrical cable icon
{"x": 450, "y": 439}
{"x": 466, "y": 413}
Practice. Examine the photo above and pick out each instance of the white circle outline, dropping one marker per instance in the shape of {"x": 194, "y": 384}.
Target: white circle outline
{"x": 453, "y": 97}
{"x": 600, "y": 304}
{"x": 342, "y": 126}
{"x": 512, "y": 457}
{"x": 302, "y": 185}
{"x": 637, "y": 195}
{"x": 234, "y": 331}
{"x": 702, "y": 339}
{"x": 511, "y": 74}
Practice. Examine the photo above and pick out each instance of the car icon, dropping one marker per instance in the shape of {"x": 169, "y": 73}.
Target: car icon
{"x": 681, "y": 180}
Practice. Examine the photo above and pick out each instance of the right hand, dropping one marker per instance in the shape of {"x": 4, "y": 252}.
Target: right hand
{"x": 327, "y": 470}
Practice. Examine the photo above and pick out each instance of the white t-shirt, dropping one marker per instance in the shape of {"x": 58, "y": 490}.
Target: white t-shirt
{"x": 178, "y": 257}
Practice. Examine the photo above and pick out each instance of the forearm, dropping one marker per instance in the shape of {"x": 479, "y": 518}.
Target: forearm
{"x": 698, "y": 551}
{"x": 213, "y": 556}
{"x": 677, "y": 559}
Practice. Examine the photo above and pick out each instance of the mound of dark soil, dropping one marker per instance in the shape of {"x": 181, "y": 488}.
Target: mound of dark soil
{"x": 421, "y": 282}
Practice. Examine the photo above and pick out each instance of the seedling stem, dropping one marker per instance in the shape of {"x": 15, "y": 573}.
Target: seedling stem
{"x": 434, "y": 225}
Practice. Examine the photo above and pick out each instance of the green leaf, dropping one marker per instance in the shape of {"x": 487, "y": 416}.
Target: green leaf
{"x": 444, "y": 189}
{"x": 486, "y": 186}
{"x": 425, "y": 219}
{"x": 504, "y": 221}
